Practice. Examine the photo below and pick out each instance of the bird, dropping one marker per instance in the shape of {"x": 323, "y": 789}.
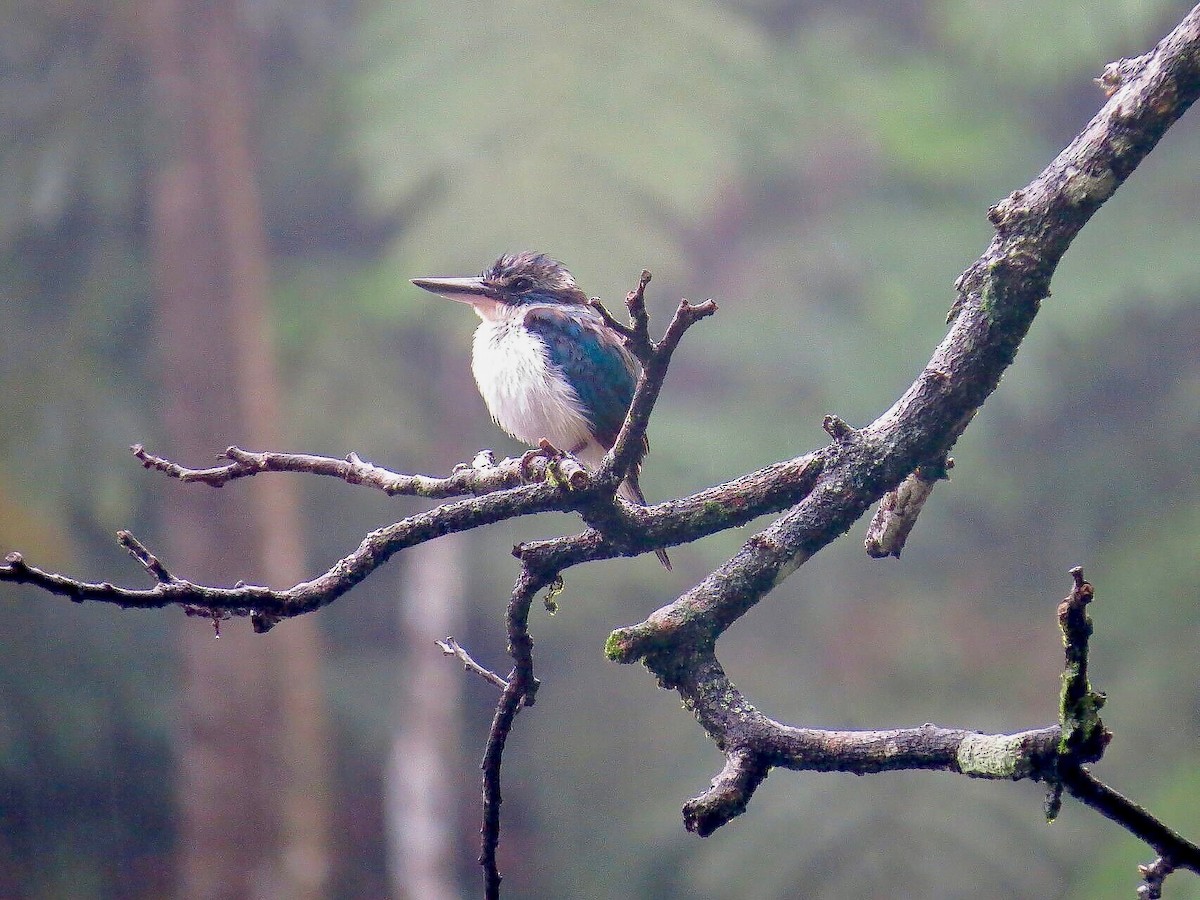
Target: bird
{"x": 548, "y": 366}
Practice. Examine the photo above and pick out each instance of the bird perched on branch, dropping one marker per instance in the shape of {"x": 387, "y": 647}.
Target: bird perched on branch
{"x": 548, "y": 366}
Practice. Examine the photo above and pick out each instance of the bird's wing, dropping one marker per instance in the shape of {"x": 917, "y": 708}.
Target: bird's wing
{"x": 594, "y": 361}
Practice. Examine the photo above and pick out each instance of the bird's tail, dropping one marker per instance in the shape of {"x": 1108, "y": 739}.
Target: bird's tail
{"x": 632, "y": 491}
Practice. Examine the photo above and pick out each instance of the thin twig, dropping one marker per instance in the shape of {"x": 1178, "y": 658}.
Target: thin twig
{"x": 1165, "y": 841}
{"x": 610, "y": 320}
{"x": 149, "y": 561}
{"x": 627, "y": 449}
{"x": 451, "y": 647}
{"x": 1084, "y": 738}
{"x": 481, "y": 477}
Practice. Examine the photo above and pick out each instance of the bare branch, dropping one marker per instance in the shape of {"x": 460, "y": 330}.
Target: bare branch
{"x": 1010, "y": 757}
{"x": 730, "y": 792}
{"x": 655, "y": 358}
{"x": 149, "y": 561}
{"x": 1179, "y": 852}
{"x": 754, "y": 743}
{"x": 451, "y": 647}
{"x": 269, "y": 605}
{"x": 521, "y": 690}
{"x": 1084, "y": 738}
{"x": 714, "y": 509}
{"x": 999, "y": 296}
{"x": 610, "y": 320}
{"x": 724, "y": 506}
{"x": 481, "y": 477}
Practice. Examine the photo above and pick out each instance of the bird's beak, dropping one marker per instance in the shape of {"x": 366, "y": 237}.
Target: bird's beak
{"x": 464, "y": 290}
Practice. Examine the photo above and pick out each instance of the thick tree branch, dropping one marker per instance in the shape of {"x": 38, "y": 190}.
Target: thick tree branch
{"x": 999, "y": 296}
{"x": 1010, "y": 757}
{"x": 754, "y": 743}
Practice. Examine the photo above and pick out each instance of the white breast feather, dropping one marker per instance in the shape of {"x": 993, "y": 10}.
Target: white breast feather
{"x": 527, "y": 396}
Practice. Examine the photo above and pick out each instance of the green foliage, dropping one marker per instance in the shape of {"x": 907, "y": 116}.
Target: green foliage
{"x": 594, "y": 132}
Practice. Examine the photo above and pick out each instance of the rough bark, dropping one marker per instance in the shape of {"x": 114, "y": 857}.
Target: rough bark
{"x": 252, "y": 795}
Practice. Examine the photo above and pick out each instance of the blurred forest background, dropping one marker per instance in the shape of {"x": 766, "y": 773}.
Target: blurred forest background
{"x": 208, "y": 216}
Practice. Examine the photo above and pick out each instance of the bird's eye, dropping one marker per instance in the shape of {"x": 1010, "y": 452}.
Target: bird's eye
{"x": 520, "y": 284}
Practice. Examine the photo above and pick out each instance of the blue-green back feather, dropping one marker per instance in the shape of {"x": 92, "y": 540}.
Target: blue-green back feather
{"x": 594, "y": 361}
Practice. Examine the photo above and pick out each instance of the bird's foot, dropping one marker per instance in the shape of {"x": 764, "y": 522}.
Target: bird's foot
{"x": 561, "y": 467}
{"x": 544, "y": 450}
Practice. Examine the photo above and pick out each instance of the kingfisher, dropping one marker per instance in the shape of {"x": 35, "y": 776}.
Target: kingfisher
{"x": 547, "y": 365}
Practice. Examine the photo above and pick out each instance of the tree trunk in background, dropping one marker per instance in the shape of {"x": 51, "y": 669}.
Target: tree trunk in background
{"x": 425, "y": 768}
{"x": 427, "y": 778}
{"x": 253, "y": 798}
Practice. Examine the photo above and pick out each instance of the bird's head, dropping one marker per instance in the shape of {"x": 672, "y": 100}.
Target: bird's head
{"x": 511, "y": 282}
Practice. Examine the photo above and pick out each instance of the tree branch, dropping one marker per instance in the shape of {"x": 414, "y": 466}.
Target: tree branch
{"x": 655, "y": 359}
{"x": 640, "y": 530}
{"x": 1010, "y": 757}
{"x": 268, "y": 605}
{"x": 148, "y": 560}
{"x": 1083, "y": 740}
{"x": 999, "y": 296}
{"x": 451, "y": 647}
{"x": 520, "y": 690}
{"x": 483, "y": 476}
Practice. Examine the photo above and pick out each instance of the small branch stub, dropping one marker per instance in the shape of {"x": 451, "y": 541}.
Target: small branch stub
{"x": 1117, "y": 73}
{"x": 635, "y": 300}
{"x": 1153, "y": 877}
{"x": 898, "y": 511}
{"x": 148, "y": 560}
{"x": 1084, "y": 736}
{"x": 836, "y": 428}
{"x": 731, "y": 790}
